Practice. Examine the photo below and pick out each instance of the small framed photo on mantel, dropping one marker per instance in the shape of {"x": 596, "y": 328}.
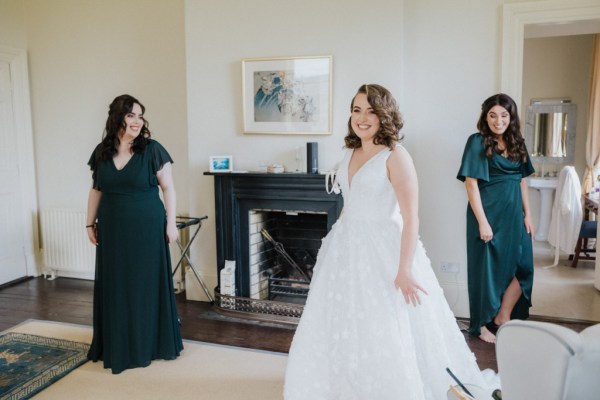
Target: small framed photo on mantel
{"x": 220, "y": 164}
{"x": 287, "y": 95}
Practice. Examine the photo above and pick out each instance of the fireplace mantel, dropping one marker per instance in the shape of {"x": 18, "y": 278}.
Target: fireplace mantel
{"x": 238, "y": 193}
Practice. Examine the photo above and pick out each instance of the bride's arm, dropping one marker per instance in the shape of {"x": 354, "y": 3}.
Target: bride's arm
{"x": 403, "y": 177}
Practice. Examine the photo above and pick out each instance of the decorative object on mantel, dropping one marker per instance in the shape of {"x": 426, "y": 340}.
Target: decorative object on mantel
{"x": 298, "y": 156}
{"x": 287, "y": 95}
{"x": 312, "y": 158}
{"x": 221, "y": 164}
{"x": 275, "y": 169}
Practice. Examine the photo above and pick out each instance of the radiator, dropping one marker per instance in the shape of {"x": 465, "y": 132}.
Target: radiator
{"x": 66, "y": 250}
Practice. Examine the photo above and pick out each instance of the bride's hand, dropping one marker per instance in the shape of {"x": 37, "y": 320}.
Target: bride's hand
{"x": 409, "y": 287}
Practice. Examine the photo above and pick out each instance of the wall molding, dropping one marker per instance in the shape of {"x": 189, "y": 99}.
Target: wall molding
{"x": 515, "y": 18}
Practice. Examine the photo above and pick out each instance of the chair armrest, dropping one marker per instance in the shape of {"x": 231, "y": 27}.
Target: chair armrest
{"x": 591, "y": 338}
{"x": 533, "y": 358}
{"x": 583, "y": 376}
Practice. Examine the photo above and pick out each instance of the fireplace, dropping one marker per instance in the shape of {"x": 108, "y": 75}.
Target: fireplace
{"x": 266, "y": 223}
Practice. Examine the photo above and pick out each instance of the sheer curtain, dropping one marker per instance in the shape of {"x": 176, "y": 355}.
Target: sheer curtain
{"x": 592, "y": 151}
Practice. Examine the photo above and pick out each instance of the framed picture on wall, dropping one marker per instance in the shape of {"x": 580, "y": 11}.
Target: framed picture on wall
{"x": 287, "y": 95}
{"x": 220, "y": 164}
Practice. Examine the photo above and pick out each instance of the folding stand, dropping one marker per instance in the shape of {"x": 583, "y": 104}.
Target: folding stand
{"x": 183, "y": 223}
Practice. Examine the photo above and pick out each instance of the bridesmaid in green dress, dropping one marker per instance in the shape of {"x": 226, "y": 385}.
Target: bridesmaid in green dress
{"x": 494, "y": 166}
{"x": 135, "y": 314}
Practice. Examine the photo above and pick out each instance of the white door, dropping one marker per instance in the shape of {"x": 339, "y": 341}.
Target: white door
{"x": 13, "y": 262}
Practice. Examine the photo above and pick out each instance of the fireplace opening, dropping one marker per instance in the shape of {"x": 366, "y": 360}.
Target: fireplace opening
{"x": 283, "y": 251}
{"x": 297, "y": 212}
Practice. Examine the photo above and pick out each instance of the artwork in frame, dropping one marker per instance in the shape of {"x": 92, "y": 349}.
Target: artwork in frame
{"x": 221, "y": 164}
{"x": 287, "y": 95}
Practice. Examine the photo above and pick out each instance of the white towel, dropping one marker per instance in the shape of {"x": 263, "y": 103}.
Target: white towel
{"x": 567, "y": 212}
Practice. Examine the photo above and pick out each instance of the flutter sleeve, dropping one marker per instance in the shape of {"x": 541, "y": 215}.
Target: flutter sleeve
{"x": 93, "y": 163}
{"x": 159, "y": 155}
{"x": 474, "y": 162}
{"x": 527, "y": 167}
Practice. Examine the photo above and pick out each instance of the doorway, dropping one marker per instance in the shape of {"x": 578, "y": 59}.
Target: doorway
{"x": 554, "y": 293}
{"x": 18, "y": 206}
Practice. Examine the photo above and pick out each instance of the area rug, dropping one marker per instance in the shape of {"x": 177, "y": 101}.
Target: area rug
{"x": 29, "y": 363}
{"x": 204, "y": 371}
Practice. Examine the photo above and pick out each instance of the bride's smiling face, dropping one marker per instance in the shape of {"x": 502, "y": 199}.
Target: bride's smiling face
{"x": 365, "y": 123}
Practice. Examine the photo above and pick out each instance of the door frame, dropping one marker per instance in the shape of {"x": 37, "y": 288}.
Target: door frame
{"x": 17, "y": 60}
{"x": 516, "y": 16}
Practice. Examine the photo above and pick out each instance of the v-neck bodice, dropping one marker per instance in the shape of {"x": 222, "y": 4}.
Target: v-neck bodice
{"x": 124, "y": 165}
{"x": 370, "y": 195}
{"x": 137, "y": 176}
{"x": 362, "y": 165}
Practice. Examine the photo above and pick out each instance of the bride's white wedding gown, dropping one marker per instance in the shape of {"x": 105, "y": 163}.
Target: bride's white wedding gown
{"x": 357, "y": 338}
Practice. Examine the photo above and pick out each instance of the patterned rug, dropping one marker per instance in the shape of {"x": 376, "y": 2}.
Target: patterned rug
{"x": 30, "y": 363}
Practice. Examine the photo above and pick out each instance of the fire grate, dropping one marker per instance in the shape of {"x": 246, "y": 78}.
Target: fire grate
{"x": 262, "y": 310}
{"x": 287, "y": 287}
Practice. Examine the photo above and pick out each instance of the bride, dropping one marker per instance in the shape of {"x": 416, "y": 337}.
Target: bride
{"x": 376, "y": 324}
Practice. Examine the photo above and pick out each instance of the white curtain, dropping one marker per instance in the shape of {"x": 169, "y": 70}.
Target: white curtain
{"x": 592, "y": 152}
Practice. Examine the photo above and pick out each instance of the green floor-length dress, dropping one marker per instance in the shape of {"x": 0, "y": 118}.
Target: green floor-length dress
{"x": 492, "y": 265}
{"x": 135, "y": 314}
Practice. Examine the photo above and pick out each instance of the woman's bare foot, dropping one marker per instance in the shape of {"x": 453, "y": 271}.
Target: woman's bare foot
{"x": 487, "y": 336}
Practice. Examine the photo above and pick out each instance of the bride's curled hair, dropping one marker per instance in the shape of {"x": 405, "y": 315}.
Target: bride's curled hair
{"x": 385, "y": 107}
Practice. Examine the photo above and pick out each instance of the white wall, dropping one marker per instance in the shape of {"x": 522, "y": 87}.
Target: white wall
{"x": 82, "y": 54}
{"x": 365, "y": 40}
{"x": 440, "y": 59}
{"x": 452, "y": 65}
{"x": 12, "y": 24}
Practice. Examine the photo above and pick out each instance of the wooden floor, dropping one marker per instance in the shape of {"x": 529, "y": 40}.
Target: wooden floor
{"x": 70, "y": 300}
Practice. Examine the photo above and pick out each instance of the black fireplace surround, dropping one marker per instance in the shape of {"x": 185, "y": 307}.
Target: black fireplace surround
{"x": 236, "y": 194}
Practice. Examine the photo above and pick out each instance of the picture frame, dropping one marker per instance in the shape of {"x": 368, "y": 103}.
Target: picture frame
{"x": 220, "y": 163}
{"x": 287, "y": 95}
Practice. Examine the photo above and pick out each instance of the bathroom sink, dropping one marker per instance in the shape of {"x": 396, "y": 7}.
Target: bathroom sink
{"x": 542, "y": 183}
{"x": 546, "y": 187}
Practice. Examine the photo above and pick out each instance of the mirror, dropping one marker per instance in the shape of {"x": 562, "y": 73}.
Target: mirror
{"x": 550, "y": 135}
{"x": 550, "y": 130}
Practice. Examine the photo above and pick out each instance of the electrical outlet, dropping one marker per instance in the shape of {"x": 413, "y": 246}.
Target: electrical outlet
{"x": 449, "y": 267}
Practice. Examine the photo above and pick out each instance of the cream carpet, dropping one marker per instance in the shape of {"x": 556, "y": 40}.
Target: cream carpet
{"x": 562, "y": 291}
{"x": 203, "y": 371}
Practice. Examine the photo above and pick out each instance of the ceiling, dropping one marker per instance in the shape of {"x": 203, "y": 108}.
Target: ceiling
{"x": 584, "y": 27}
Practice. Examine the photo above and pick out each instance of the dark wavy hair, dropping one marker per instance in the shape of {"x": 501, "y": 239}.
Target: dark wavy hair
{"x": 385, "y": 107}
{"x": 115, "y": 124}
{"x": 513, "y": 139}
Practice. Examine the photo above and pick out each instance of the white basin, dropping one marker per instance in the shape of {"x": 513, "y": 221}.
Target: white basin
{"x": 542, "y": 183}
{"x": 546, "y": 186}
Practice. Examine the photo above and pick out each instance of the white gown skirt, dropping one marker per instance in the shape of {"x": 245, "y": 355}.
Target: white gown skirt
{"x": 358, "y": 339}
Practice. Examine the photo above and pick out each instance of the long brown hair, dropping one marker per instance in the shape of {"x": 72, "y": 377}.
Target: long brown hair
{"x": 513, "y": 139}
{"x": 115, "y": 123}
{"x": 390, "y": 121}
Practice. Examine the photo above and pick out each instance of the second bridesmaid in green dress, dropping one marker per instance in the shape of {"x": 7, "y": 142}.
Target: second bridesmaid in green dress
{"x": 494, "y": 166}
